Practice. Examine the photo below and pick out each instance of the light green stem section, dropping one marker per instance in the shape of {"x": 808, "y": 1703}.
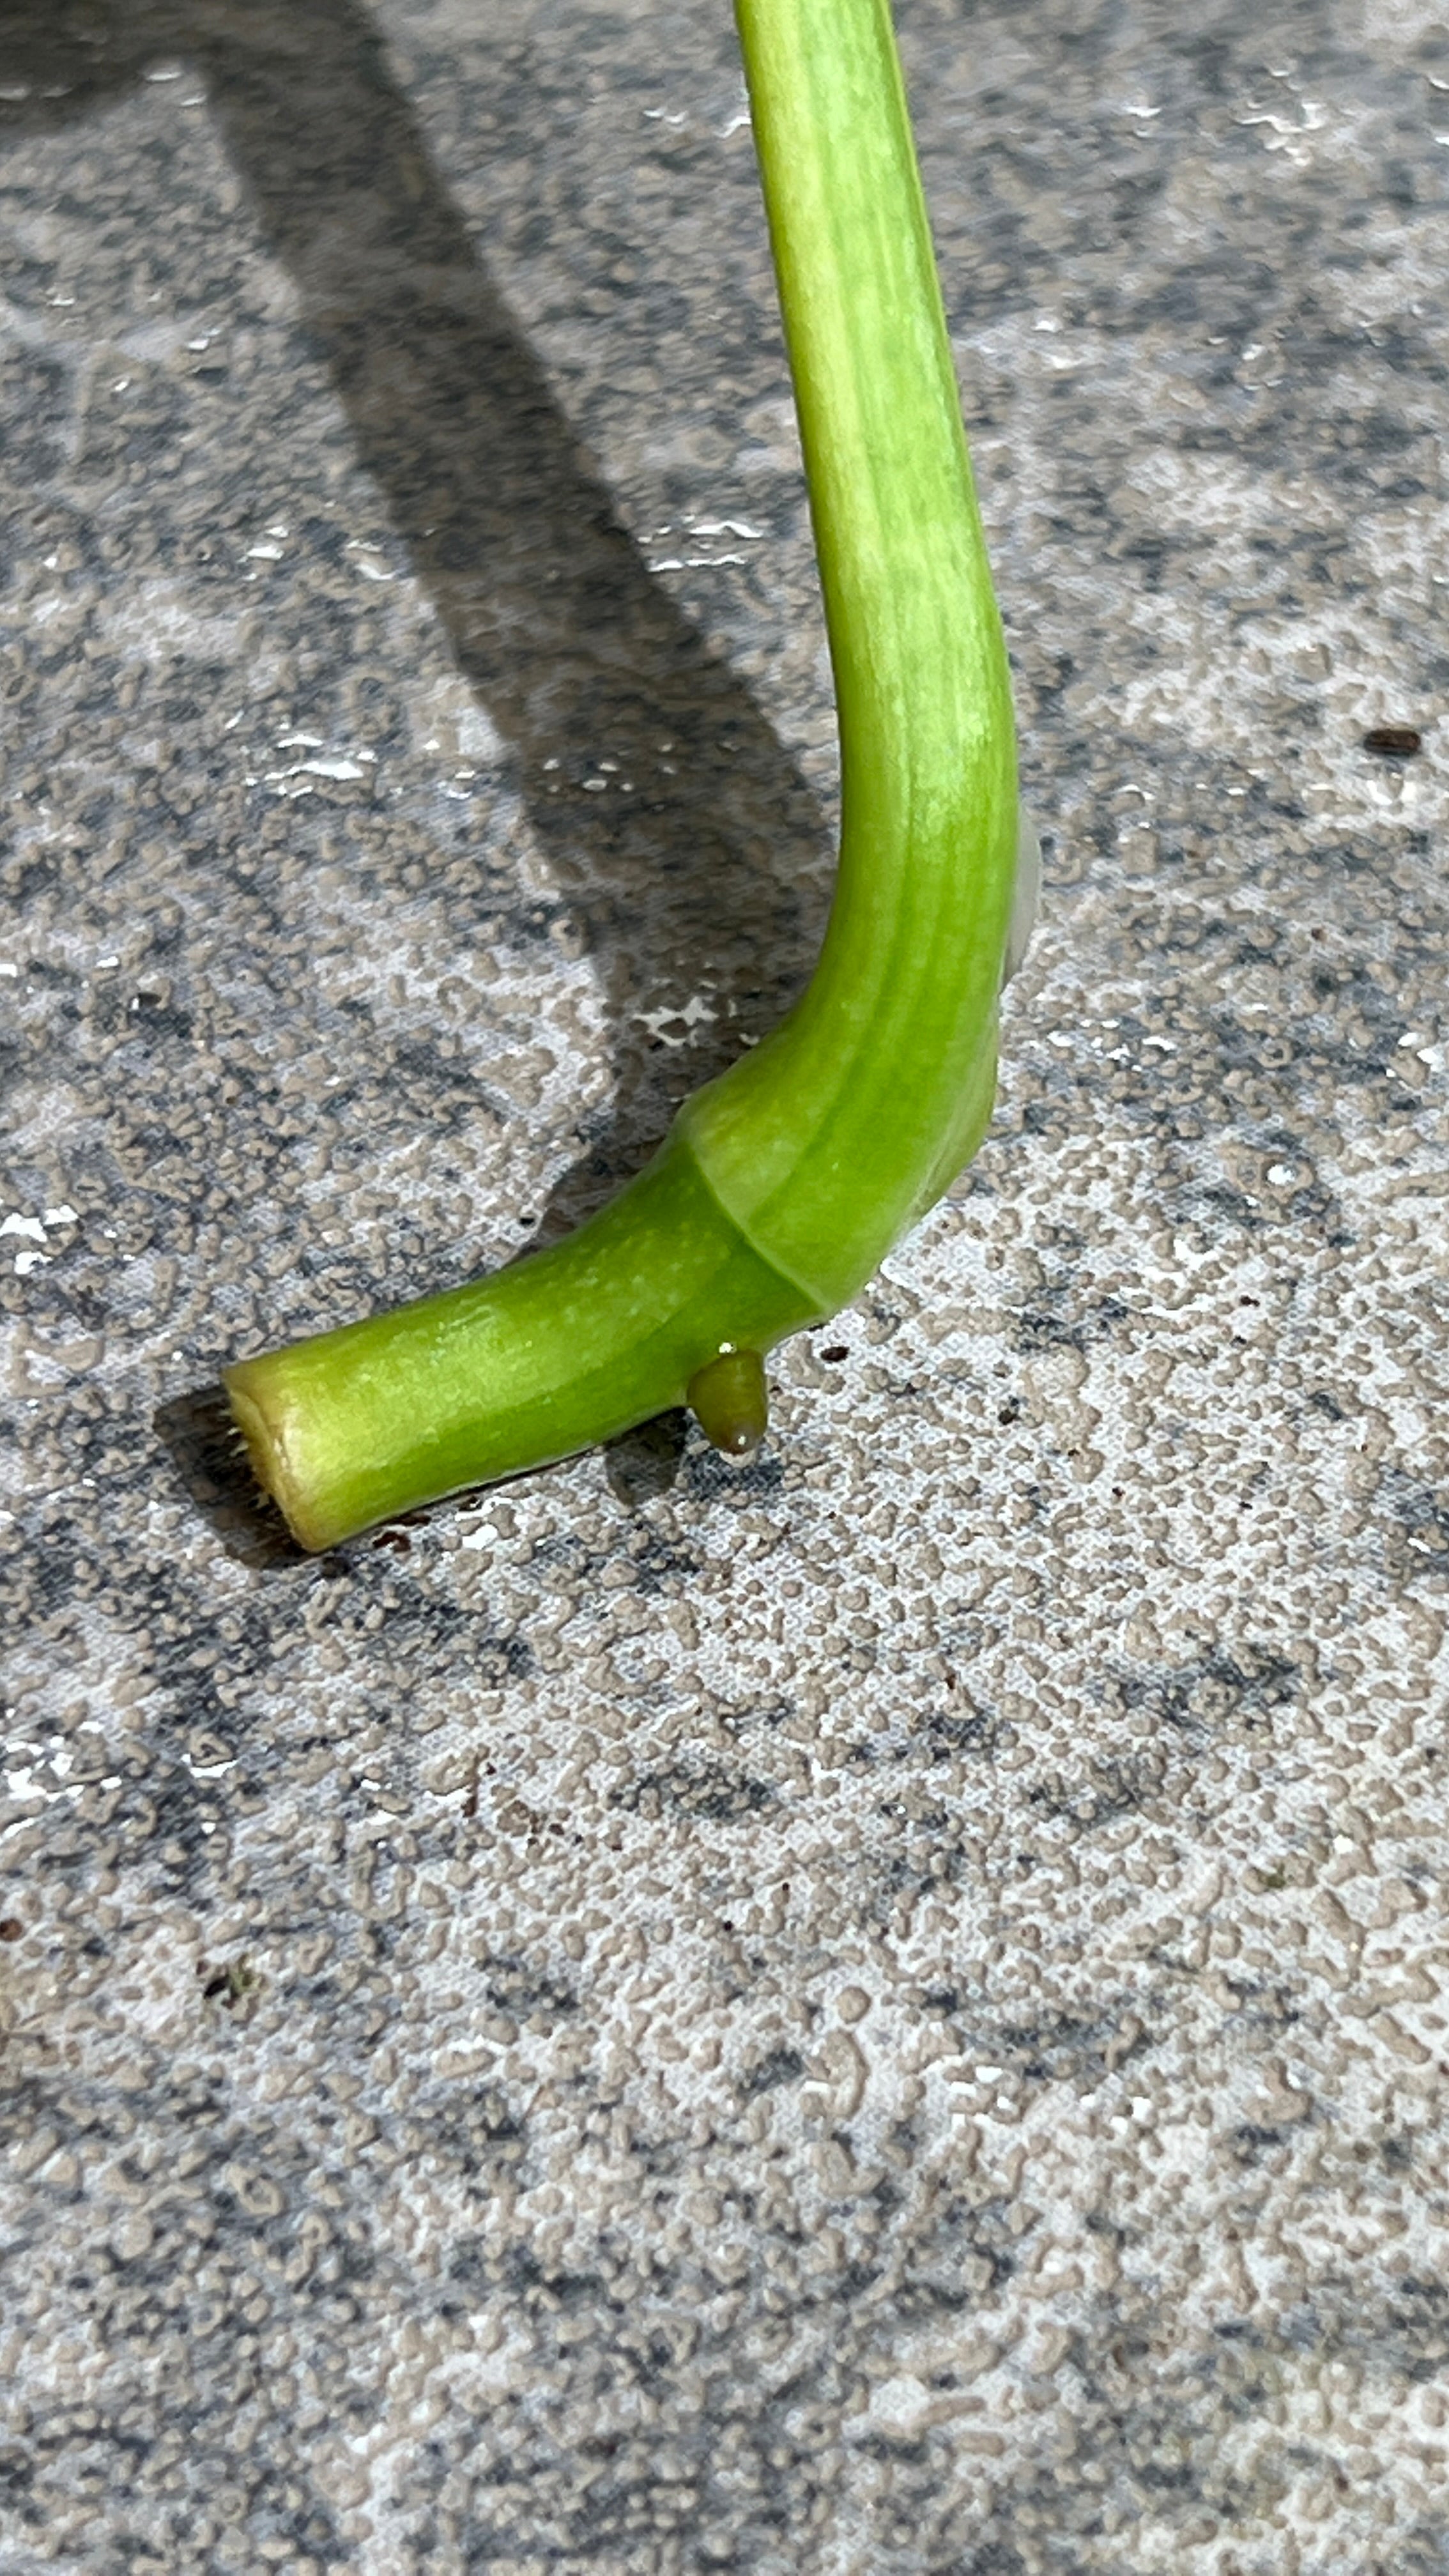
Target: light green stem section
{"x": 877, "y": 1088}
{"x": 784, "y": 1183}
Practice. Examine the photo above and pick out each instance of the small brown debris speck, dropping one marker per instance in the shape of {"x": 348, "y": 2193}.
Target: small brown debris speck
{"x": 1393, "y": 741}
{"x": 11, "y": 1928}
{"x": 228, "y": 1985}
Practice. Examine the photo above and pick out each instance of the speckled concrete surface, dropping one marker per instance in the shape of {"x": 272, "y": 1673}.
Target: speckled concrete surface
{"x": 883, "y": 2015}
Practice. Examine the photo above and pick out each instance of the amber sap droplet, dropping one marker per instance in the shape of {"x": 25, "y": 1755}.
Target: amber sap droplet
{"x": 729, "y": 1401}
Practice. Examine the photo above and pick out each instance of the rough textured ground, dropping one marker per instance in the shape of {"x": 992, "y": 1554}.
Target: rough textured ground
{"x": 883, "y": 2015}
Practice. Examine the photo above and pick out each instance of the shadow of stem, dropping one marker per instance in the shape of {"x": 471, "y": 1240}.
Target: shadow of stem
{"x": 695, "y": 880}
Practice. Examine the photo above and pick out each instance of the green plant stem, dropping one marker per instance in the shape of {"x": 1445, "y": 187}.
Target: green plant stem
{"x": 782, "y": 1184}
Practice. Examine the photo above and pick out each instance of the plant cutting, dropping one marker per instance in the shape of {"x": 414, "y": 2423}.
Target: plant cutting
{"x": 782, "y": 1185}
